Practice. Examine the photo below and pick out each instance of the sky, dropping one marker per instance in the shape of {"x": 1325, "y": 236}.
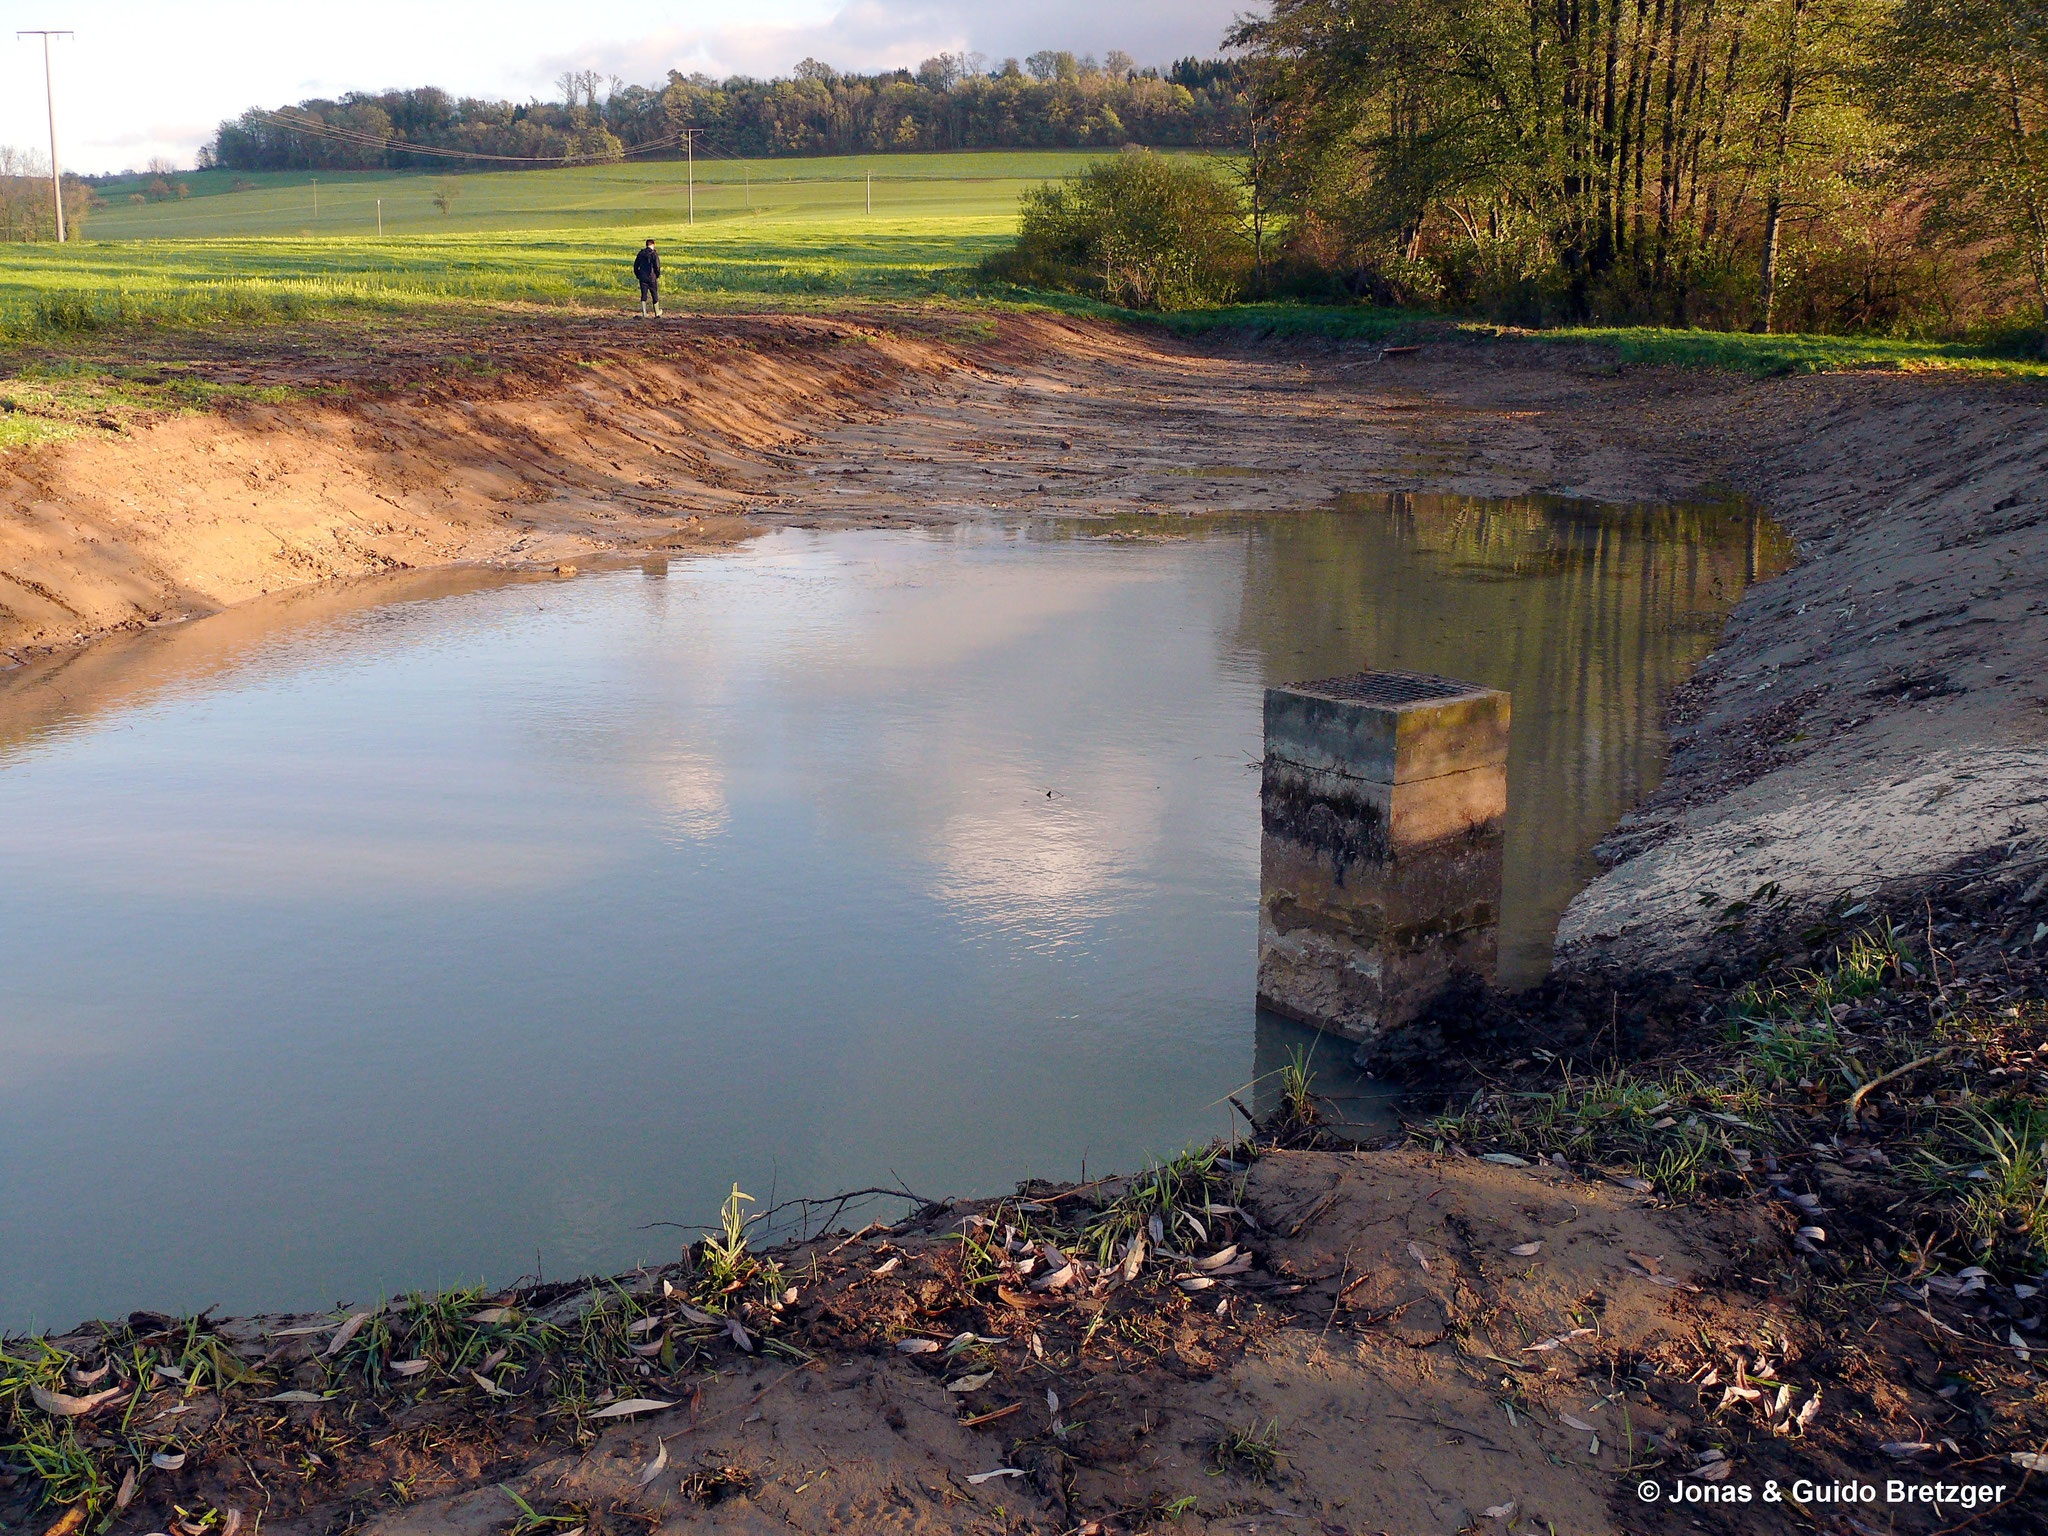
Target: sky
{"x": 144, "y": 78}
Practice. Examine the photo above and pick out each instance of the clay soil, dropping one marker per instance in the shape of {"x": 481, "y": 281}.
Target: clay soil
{"x": 1377, "y": 1346}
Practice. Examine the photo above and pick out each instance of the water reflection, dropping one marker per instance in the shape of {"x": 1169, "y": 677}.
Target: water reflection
{"x": 396, "y": 935}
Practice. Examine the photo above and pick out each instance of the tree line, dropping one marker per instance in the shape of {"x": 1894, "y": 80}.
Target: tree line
{"x": 1051, "y": 100}
{"x": 1793, "y": 164}
{"x": 27, "y": 208}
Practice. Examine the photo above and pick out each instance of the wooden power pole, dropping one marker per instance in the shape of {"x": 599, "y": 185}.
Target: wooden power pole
{"x": 50, "y": 97}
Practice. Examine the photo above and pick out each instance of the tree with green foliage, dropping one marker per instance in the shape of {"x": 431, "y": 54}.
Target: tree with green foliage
{"x": 1621, "y": 156}
{"x": 1966, "y": 84}
{"x": 950, "y": 101}
{"x": 1144, "y": 230}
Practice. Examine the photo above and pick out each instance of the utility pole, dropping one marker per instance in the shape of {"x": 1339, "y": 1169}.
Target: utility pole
{"x": 690, "y": 156}
{"x": 380, "y": 218}
{"x": 50, "y": 96}
{"x": 316, "y": 197}
{"x": 871, "y": 192}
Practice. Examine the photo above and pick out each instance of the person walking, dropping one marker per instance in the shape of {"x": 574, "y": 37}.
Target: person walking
{"x": 647, "y": 268}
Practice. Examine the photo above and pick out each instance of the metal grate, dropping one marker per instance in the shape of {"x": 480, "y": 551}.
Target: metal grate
{"x": 1390, "y": 688}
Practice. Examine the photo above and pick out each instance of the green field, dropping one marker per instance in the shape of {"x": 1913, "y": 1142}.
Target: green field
{"x": 763, "y": 231}
{"x": 947, "y": 188}
{"x": 253, "y": 250}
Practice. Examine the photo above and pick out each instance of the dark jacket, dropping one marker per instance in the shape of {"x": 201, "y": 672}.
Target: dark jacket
{"x": 647, "y": 265}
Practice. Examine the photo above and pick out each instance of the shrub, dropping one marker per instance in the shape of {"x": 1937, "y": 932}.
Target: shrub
{"x": 1141, "y": 230}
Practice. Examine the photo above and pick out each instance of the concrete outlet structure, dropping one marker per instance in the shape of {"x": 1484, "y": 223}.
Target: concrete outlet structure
{"x": 1380, "y": 865}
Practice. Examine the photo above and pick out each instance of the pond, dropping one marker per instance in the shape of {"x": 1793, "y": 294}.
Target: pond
{"x": 451, "y": 928}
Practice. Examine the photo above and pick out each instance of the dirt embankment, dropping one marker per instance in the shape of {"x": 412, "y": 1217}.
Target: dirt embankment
{"x": 1881, "y": 710}
{"x": 542, "y": 444}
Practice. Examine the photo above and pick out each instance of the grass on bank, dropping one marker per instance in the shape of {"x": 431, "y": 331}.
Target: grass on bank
{"x": 1815, "y": 1059}
{"x": 248, "y": 254}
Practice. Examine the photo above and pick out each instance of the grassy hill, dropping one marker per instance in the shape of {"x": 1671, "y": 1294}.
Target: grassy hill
{"x": 948, "y": 187}
{"x": 253, "y": 248}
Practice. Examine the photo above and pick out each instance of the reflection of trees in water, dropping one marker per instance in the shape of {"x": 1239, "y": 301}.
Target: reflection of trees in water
{"x": 1587, "y": 614}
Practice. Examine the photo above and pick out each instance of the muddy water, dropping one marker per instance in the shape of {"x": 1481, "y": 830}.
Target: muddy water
{"x": 432, "y": 931}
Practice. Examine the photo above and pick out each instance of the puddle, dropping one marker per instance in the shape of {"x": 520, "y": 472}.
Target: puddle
{"x": 430, "y": 931}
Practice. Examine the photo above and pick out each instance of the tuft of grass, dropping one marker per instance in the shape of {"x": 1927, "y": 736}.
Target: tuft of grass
{"x": 2006, "y": 1211}
{"x": 1251, "y": 1451}
{"x": 1180, "y": 1192}
{"x": 54, "y": 1451}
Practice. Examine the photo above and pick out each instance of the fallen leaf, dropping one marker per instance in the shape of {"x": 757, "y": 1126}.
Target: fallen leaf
{"x": 1810, "y": 1412}
{"x": 972, "y": 1383}
{"x": 2029, "y": 1461}
{"x": 1196, "y": 1283}
{"x": 653, "y": 1468}
{"x": 1524, "y": 1250}
{"x": 631, "y": 1406}
{"x": 918, "y": 1346}
{"x": 1664, "y": 1124}
{"x": 127, "y": 1494}
{"x": 1904, "y": 1448}
{"x": 690, "y": 1313}
{"x": 1415, "y": 1253}
{"x": 1505, "y": 1159}
{"x": 1654, "y": 1266}
{"x": 739, "y": 1334}
{"x": 343, "y": 1334}
{"x": 1053, "y": 1281}
{"x": 58, "y": 1405}
{"x": 1576, "y": 1423}
{"x": 982, "y": 1477}
{"x": 1546, "y": 1345}
{"x": 170, "y": 1461}
{"x": 1716, "y": 1472}
{"x": 1218, "y": 1259}
{"x": 292, "y": 1397}
{"x": 1814, "y": 1234}
{"x": 960, "y": 1341}
{"x": 488, "y": 1385}
{"x": 1052, "y": 1400}
{"x": 407, "y": 1367}
{"x": 890, "y": 1267}
{"x": 1633, "y": 1184}
{"x": 90, "y": 1378}
{"x": 492, "y": 1315}
{"x": 1134, "y": 1260}
{"x": 1499, "y": 1511}
{"x": 642, "y": 1324}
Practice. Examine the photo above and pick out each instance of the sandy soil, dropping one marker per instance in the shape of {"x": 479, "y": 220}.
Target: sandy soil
{"x": 1411, "y": 1369}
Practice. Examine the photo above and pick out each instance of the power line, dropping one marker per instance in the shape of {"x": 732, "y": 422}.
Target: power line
{"x": 50, "y": 96}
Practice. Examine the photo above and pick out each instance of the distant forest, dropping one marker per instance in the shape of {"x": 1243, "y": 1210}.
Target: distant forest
{"x": 1052, "y": 100}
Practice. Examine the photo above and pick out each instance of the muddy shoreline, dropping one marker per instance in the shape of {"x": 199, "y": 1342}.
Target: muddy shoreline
{"x": 1874, "y": 722}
